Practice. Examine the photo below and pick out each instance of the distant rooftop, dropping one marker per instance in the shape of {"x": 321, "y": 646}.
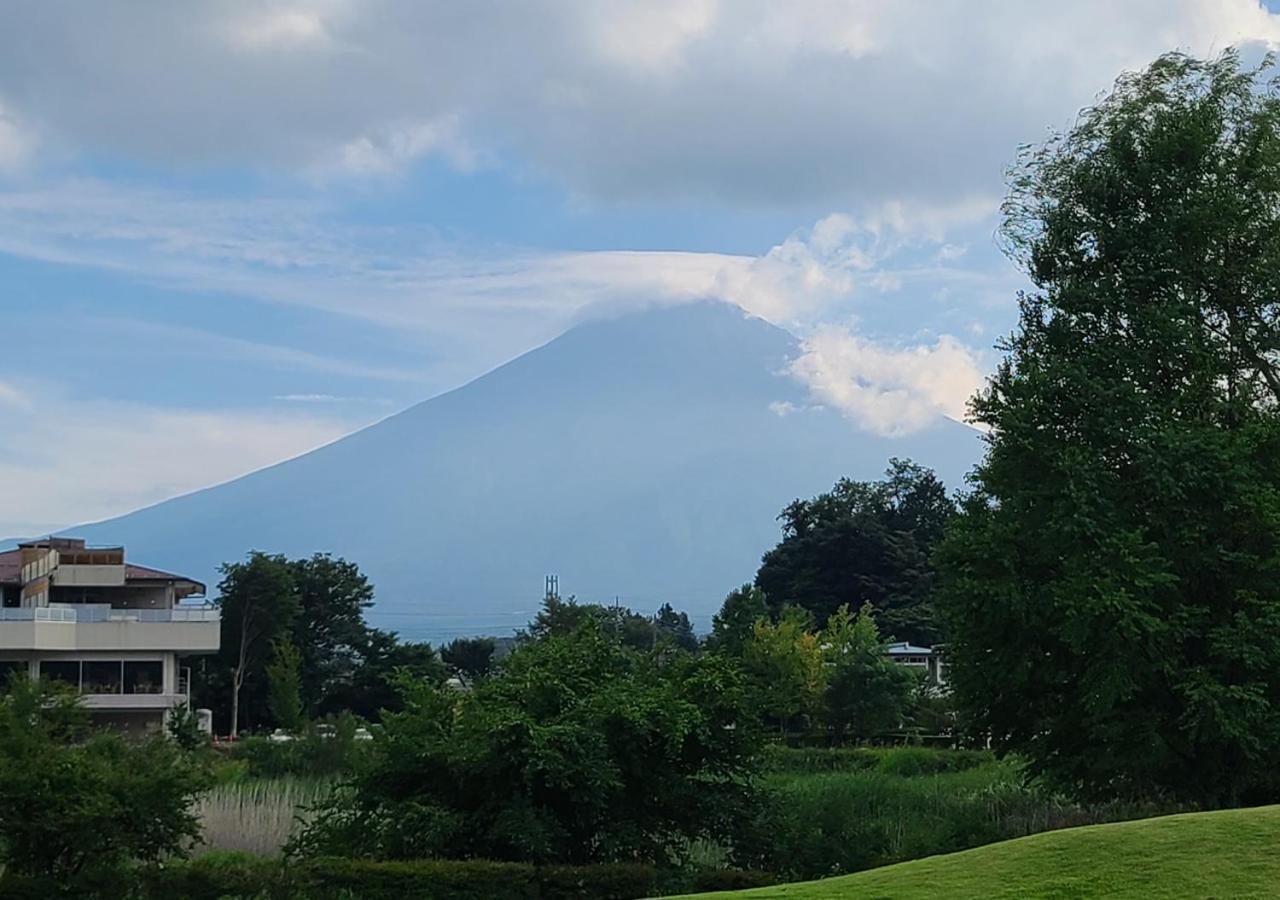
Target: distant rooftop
{"x": 11, "y": 563}
{"x": 902, "y": 648}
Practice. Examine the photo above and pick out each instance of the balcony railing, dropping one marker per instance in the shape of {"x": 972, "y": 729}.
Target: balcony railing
{"x": 92, "y": 612}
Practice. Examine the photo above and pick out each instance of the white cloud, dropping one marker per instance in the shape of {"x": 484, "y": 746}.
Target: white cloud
{"x": 884, "y": 389}
{"x": 390, "y": 150}
{"x": 12, "y": 397}
{"x": 65, "y": 461}
{"x": 842, "y": 104}
{"x": 16, "y": 142}
{"x": 278, "y": 29}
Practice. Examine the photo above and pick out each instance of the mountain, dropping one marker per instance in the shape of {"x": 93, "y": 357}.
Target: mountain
{"x": 637, "y": 457}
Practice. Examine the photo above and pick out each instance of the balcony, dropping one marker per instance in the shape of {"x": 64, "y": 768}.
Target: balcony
{"x": 93, "y": 626}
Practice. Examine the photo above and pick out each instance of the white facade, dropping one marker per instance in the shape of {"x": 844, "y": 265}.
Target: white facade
{"x": 115, "y": 632}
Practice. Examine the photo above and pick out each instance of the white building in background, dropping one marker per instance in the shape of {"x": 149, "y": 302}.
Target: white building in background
{"x": 119, "y": 633}
{"x": 927, "y": 659}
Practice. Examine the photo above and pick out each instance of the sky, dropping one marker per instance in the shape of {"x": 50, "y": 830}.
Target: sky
{"x": 232, "y": 232}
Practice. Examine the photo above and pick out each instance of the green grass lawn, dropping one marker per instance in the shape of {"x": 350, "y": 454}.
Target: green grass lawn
{"x": 1229, "y": 854}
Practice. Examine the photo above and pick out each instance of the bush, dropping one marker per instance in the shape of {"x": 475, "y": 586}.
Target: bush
{"x": 902, "y": 761}
{"x": 314, "y": 753}
{"x": 731, "y": 880}
{"x": 238, "y": 876}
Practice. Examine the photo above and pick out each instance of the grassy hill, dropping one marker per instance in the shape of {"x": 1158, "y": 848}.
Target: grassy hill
{"x": 1229, "y": 854}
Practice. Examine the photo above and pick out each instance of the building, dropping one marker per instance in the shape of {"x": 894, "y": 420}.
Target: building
{"x": 927, "y": 659}
{"x": 119, "y": 633}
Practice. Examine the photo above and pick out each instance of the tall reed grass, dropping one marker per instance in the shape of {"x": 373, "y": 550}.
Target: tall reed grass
{"x": 256, "y": 815}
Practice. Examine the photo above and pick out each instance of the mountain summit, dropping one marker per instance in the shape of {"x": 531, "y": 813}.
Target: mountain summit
{"x": 639, "y": 458}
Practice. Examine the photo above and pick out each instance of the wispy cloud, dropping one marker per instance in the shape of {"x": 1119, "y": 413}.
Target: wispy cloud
{"x": 64, "y": 461}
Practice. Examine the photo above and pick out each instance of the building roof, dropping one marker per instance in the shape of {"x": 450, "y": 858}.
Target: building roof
{"x": 902, "y": 648}
{"x": 11, "y": 571}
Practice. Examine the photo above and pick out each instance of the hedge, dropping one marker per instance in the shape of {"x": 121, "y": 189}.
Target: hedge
{"x": 233, "y": 876}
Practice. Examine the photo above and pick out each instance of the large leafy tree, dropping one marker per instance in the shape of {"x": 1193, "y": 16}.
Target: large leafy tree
{"x": 329, "y": 629}
{"x": 1111, "y": 587}
{"x": 785, "y": 668}
{"x": 258, "y": 599}
{"x": 867, "y": 692}
{"x": 735, "y": 623}
{"x": 578, "y": 749}
{"x": 79, "y": 804}
{"x": 863, "y": 542}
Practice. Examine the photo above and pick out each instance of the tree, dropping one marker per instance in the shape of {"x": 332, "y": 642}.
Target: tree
{"x": 864, "y": 541}
{"x": 471, "y": 658}
{"x": 560, "y": 618}
{"x": 867, "y": 693}
{"x": 733, "y": 626}
{"x": 785, "y": 667}
{"x": 329, "y": 630}
{"x": 259, "y": 600}
{"x": 383, "y": 657}
{"x": 80, "y": 804}
{"x": 675, "y": 628}
{"x": 579, "y": 749}
{"x": 1110, "y": 587}
{"x": 284, "y": 688}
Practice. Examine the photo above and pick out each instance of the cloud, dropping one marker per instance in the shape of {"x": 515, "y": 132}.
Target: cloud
{"x": 750, "y": 104}
{"x": 65, "y": 461}
{"x": 16, "y": 143}
{"x": 478, "y": 306}
{"x": 885, "y": 389}
{"x": 800, "y": 279}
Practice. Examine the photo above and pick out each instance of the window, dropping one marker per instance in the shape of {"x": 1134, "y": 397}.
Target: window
{"x": 10, "y": 668}
{"x": 65, "y": 671}
{"x": 102, "y": 676}
{"x": 143, "y": 677}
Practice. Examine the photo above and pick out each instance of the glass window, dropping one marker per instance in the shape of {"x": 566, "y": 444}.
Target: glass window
{"x": 143, "y": 677}
{"x": 66, "y": 671}
{"x": 102, "y": 676}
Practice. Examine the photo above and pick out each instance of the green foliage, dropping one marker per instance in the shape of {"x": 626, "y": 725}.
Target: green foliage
{"x": 471, "y": 658}
{"x": 1218, "y": 854}
{"x": 1111, "y": 588}
{"x": 320, "y": 750}
{"x": 561, "y": 618}
{"x": 868, "y": 694}
{"x": 735, "y": 623}
{"x": 912, "y": 803}
{"x": 674, "y": 628}
{"x": 901, "y": 761}
{"x": 318, "y": 605}
{"x": 183, "y": 728}
{"x": 241, "y": 876}
{"x": 864, "y": 542}
{"x": 578, "y": 750}
{"x": 78, "y": 805}
{"x": 258, "y": 599}
{"x": 284, "y": 686}
{"x": 329, "y": 631}
{"x": 785, "y": 667}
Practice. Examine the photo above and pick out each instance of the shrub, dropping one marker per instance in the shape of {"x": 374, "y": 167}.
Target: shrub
{"x": 731, "y": 880}
{"x": 236, "y": 876}
{"x": 901, "y": 761}
{"x": 75, "y": 804}
{"x": 579, "y": 751}
{"x": 323, "y": 750}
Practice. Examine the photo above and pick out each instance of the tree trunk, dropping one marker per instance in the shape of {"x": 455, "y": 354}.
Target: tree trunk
{"x": 235, "y": 703}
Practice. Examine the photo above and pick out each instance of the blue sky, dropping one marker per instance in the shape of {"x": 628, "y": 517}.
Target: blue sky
{"x": 232, "y": 232}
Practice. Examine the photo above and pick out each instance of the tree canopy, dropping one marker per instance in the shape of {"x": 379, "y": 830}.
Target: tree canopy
{"x": 578, "y": 749}
{"x": 1110, "y": 588}
{"x": 863, "y": 542}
